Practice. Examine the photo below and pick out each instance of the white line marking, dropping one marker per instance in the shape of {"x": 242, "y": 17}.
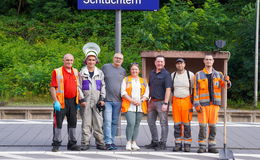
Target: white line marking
{"x": 123, "y": 122}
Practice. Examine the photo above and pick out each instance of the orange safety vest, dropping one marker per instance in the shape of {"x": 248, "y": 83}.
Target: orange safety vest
{"x": 201, "y": 91}
{"x": 60, "y": 88}
{"x": 126, "y": 103}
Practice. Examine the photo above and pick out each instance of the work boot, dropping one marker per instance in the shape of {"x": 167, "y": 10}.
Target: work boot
{"x": 212, "y": 150}
{"x": 201, "y": 150}
{"x": 160, "y": 146}
{"x": 72, "y": 145}
{"x": 101, "y": 147}
{"x": 55, "y": 148}
{"x": 177, "y": 147}
{"x": 152, "y": 145}
{"x": 186, "y": 147}
{"x": 84, "y": 147}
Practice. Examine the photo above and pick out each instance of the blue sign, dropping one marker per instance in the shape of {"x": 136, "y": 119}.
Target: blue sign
{"x": 145, "y": 5}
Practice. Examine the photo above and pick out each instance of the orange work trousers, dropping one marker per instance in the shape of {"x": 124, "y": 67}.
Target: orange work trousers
{"x": 208, "y": 117}
{"x": 181, "y": 109}
{"x": 182, "y": 115}
{"x": 209, "y": 114}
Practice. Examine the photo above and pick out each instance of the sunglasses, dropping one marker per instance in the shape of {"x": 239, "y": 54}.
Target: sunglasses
{"x": 134, "y": 63}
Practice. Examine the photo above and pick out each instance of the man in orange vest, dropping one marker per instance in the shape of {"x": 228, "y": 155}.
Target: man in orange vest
{"x": 207, "y": 99}
{"x": 64, "y": 92}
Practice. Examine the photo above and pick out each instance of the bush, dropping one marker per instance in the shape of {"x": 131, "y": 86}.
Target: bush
{"x": 33, "y": 43}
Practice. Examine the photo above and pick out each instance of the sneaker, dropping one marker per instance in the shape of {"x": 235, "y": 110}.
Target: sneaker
{"x": 73, "y": 147}
{"x": 84, "y": 147}
{"x": 152, "y": 145}
{"x": 212, "y": 150}
{"x": 128, "y": 146}
{"x": 134, "y": 146}
{"x": 160, "y": 146}
{"x": 55, "y": 148}
{"x": 114, "y": 146}
{"x": 109, "y": 147}
{"x": 101, "y": 147}
{"x": 177, "y": 147}
{"x": 186, "y": 147}
{"x": 201, "y": 150}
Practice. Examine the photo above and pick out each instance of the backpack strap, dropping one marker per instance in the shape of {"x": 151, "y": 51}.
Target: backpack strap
{"x": 190, "y": 89}
{"x": 188, "y": 74}
{"x": 173, "y": 77}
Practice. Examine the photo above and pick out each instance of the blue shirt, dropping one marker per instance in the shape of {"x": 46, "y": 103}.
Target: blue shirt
{"x": 158, "y": 82}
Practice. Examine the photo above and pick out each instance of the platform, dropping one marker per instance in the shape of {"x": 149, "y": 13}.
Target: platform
{"x": 31, "y": 139}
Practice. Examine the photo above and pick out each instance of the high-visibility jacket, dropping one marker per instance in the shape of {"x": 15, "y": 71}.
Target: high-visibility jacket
{"x": 126, "y": 103}
{"x": 201, "y": 91}
{"x": 60, "y": 88}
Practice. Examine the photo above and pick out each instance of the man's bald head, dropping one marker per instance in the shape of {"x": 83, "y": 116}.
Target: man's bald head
{"x": 68, "y": 60}
{"x": 68, "y": 55}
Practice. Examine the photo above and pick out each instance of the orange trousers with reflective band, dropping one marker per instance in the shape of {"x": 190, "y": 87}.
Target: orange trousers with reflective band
{"x": 182, "y": 116}
{"x": 208, "y": 119}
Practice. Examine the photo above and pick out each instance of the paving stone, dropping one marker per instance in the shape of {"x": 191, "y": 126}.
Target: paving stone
{"x": 36, "y": 135}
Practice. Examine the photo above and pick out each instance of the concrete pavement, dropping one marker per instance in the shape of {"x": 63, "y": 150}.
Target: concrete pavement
{"x": 31, "y": 139}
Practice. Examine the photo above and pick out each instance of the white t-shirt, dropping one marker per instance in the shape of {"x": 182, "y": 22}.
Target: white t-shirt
{"x": 136, "y": 88}
{"x": 181, "y": 84}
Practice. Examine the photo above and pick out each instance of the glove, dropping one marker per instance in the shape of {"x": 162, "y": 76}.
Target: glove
{"x": 56, "y": 106}
{"x": 198, "y": 109}
{"x": 77, "y": 106}
{"x": 226, "y": 78}
{"x": 99, "y": 107}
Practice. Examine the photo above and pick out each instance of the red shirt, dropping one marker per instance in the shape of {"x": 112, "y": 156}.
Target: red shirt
{"x": 70, "y": 83}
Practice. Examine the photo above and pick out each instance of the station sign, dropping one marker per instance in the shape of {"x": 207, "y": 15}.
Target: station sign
{"x": 144, "y": 5}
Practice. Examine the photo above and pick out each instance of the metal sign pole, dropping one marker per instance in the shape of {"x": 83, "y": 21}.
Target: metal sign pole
{"x": 256, "y": 54}
{"x": 118, "y": 31}
{"x": 118, "y": 50}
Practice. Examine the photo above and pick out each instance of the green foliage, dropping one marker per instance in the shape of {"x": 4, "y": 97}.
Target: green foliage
{"x": 33, "y": 41}
{"x": 243, "y": 54}
{"x": 180, "y": 26}
{"x": 241, "y": 104}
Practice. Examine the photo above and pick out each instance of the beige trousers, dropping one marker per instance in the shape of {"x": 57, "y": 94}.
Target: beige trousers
{"x": 92, "y": 122}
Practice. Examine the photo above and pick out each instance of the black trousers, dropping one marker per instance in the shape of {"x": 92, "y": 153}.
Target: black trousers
{"x": 70, "y": 111}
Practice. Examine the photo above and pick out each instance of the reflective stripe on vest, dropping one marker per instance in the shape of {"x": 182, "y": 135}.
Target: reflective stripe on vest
{"x": 60, "y": 88}
{"x": 201, "y": 91}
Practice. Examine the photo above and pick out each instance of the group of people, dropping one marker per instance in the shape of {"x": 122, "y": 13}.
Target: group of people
{"x": 102, "y": 94}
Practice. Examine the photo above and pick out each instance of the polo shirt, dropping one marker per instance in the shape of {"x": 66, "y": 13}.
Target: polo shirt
{"x": 158, "y": 82}
{"x": 70, "y": 83}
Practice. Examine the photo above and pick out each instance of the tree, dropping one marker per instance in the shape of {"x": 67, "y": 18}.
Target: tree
{"x": 241, "y": 67}
{"x": 180, "y": 26}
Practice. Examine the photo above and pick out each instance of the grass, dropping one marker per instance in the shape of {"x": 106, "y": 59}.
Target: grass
{"x": 41, "y": 100}
{"x": 241, "y": 104}
{"x": 45, "y": 100}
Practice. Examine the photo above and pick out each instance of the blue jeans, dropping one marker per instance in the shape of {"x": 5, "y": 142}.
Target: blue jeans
{"x": 111, "y": 116}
